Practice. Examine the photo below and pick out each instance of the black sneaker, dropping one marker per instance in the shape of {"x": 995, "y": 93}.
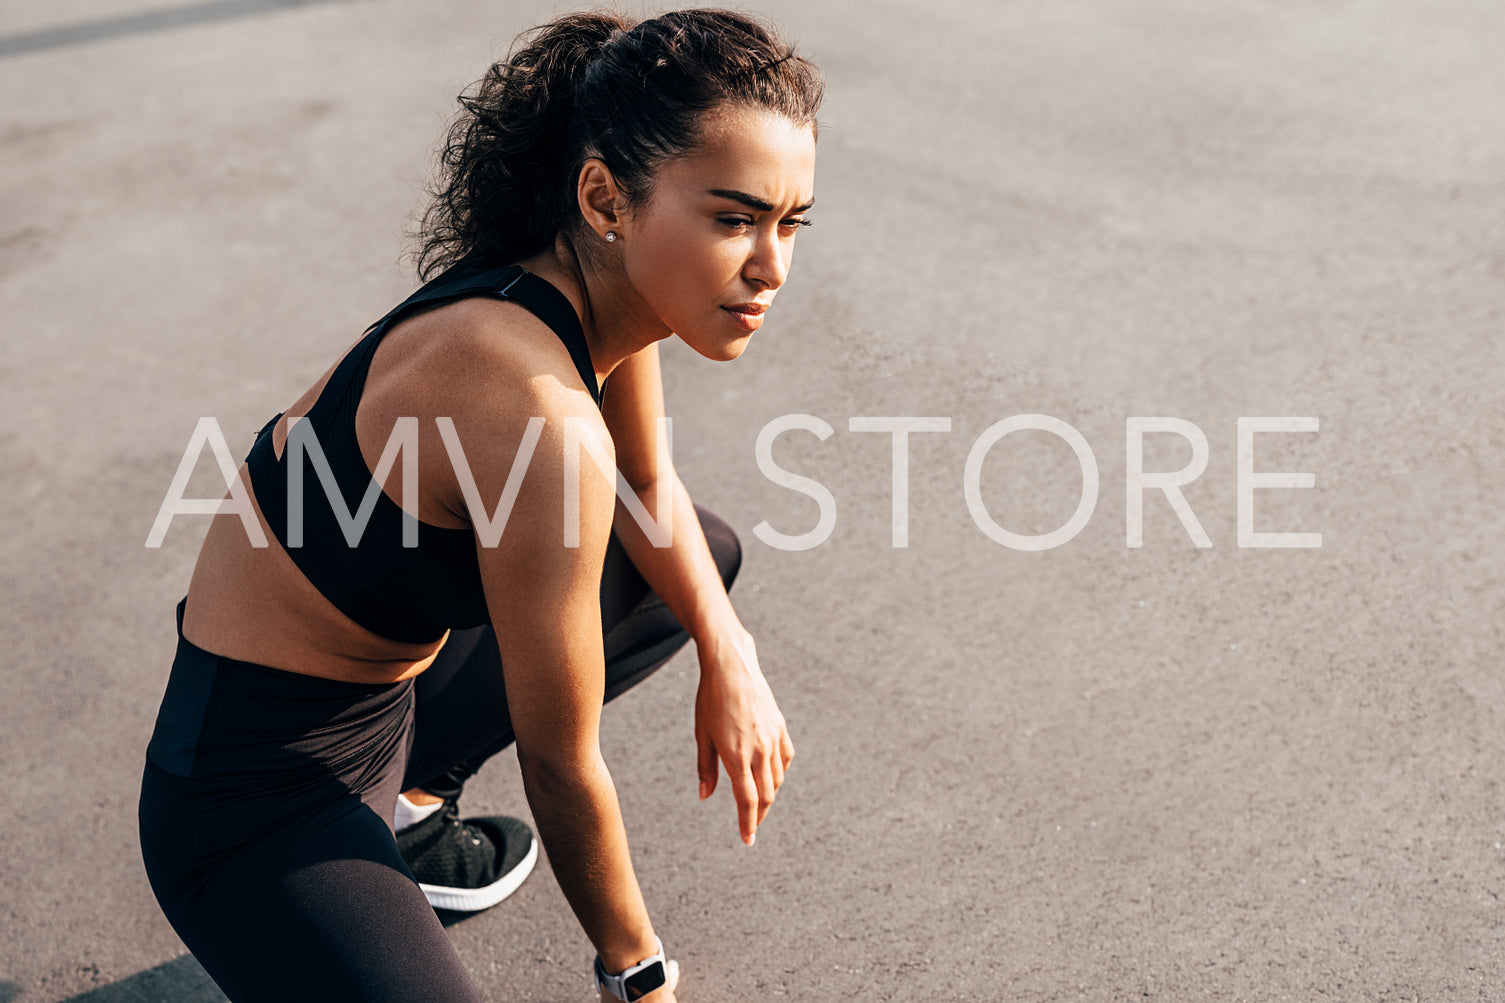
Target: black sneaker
{"x": 471, "y": 865}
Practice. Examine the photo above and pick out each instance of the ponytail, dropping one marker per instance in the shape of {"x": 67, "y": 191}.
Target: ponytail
{"x": 594, "y": 84}
{"x": 506, "y": 156}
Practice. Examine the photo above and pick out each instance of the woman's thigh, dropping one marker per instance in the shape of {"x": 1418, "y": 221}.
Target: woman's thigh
{"x": 323, "y": 910}
{"x": 264, "y": 825}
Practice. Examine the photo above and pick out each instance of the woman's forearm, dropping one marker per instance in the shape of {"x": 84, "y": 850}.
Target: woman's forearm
{"x": 580, "y": 825}
{"x": 683, "y": 574}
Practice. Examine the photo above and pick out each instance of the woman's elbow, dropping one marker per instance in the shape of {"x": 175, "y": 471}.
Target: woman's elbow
{"x": 548, "y": 771}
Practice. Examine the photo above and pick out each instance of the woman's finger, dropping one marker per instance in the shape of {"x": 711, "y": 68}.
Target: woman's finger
{"x": 705, "y": 765}
{"x": 763, "y": 772}
{"x": 746, "y": 791}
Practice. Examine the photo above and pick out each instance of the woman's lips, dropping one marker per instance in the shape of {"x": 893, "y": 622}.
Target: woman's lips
{"x": 748, "y": 316}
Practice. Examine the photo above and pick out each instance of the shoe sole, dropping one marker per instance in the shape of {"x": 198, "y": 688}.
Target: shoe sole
{"x": 476, "y": 899}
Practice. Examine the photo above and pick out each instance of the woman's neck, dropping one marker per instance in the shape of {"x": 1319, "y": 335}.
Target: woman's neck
{"x": 616, "y": 321}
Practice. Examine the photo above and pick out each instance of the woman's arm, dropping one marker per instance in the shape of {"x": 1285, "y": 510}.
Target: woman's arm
{"x": 544, "y": 601}
{"x": 737, "y": 719}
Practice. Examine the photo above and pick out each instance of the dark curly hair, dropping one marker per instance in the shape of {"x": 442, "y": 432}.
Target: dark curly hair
{"x": 594, "y": 84}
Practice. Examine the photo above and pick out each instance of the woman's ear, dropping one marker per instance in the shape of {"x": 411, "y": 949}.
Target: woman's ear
{"x": 600, "y": 199}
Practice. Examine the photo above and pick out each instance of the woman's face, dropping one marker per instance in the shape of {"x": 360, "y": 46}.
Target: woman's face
{"x": 713, "y": 244}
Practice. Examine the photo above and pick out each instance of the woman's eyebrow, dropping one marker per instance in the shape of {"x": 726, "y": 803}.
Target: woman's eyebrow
{"x": 752, "y": 201}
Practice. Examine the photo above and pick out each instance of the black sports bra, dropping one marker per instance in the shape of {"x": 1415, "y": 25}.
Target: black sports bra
{"x": 409, "y": 594}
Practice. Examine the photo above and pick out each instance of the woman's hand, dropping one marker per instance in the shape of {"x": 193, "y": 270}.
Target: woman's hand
{"x": 664, "y": 995}
{"x": 737, "y": 720}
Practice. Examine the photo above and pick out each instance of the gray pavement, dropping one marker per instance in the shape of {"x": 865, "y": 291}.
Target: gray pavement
{"x": 1090, "y": 773}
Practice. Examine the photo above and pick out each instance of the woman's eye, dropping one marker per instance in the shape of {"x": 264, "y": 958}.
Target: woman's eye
{"x": 740, "y": 223}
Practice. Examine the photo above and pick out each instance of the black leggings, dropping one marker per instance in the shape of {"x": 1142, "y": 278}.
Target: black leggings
{"x": 267, "y": 801}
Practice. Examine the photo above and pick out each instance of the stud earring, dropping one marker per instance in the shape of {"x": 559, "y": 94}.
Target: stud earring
{"x": 611, "y": 235}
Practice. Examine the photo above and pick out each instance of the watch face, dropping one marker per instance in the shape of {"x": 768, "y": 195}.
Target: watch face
{"x": 640, "y": 984}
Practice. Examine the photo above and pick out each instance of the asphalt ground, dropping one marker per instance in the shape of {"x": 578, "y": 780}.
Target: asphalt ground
{"x": 1094, "y": 772}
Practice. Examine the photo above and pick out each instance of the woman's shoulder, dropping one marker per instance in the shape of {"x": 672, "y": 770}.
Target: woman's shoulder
{"x": 504, "y": 395}
{"x": 486, "y": 360}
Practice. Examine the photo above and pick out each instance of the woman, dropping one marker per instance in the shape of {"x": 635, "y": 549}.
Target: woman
{"x": 611, "y": 184}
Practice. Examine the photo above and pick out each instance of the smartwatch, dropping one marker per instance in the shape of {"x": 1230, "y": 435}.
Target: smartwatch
{"x": 638, "y": 981}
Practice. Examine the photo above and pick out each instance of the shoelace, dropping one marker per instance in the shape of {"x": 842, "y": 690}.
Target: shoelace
{"x": 451, "y": 811}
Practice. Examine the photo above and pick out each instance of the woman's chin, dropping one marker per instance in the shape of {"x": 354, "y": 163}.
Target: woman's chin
{"x": 718, "y": 349}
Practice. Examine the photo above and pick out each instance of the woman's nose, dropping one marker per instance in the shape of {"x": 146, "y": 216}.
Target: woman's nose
{"x": 769, "y": 263}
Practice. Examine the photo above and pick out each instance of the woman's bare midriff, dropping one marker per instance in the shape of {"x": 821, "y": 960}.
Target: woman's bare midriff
{"x": 253, "y": 604}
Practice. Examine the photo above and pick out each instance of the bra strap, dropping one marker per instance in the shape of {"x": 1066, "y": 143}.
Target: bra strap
{"x": 551, "y": 306}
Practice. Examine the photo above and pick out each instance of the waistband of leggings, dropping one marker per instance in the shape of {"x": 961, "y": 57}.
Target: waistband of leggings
{"x": 262, "y": 706}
